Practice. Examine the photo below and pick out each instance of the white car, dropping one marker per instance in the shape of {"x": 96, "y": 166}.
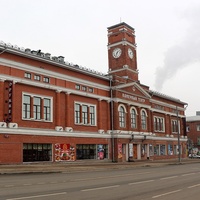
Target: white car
{"x": 194, "y": 156}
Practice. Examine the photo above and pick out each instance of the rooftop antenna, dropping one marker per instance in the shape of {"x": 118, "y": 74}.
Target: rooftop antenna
{"x": 120, "y": 20}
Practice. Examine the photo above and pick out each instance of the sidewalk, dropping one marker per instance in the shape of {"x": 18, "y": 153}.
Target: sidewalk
{"x": 86, "y": 165}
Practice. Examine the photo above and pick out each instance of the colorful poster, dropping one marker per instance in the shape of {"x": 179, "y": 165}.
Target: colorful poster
{"x": 119, "y": 151}
{"x": 64, "y": 152}
{"x": 100, "y": 151}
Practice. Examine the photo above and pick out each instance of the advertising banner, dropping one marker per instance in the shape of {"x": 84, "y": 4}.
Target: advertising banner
{"x": 64, "y": 152}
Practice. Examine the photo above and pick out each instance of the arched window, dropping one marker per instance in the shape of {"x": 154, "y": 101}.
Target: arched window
{"x": 144, "y": 120}
{"x": 122, "y": 116}
{"x": 133, "y": 118}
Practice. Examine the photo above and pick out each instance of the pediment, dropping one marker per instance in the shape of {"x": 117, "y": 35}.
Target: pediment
{"x": 134, "y": 89}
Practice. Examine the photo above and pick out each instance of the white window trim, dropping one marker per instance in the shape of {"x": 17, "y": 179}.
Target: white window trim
{"x": 87, "y": 104}
{"x": 42, "y": 97}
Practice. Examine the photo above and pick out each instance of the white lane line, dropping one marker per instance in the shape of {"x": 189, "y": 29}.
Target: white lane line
{"x": 188, "y": 174}
{"x": 100, "y": 188}
{"x": 41, "y": 183}
{"x": 102, "y": 177}
{"x": 194, "y": 186}
{"x": 27, "y": 184}
{"x": 164, "y": 194}
{"x": 38, "y": 196}
{"x": 168, "y": 177}
{"x": 141, "y": 182}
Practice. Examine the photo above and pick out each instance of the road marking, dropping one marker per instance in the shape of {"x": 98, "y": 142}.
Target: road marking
{"x": 100, "y": 188}
{"x": 168, "y": 177}
{"x": 41, "y": 183}
{"x": 9, "y": 186}
{"x": 188, "y": 174}
{"x": 102, "y": 177}
{"x": 141, "y": 182}
{"x": 38, "y": 196}
{"x": 164, "y": 194}
{"x": 194, "y": 186}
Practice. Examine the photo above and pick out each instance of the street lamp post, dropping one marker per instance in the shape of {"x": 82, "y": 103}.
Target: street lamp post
{"x": 179, "y": 153}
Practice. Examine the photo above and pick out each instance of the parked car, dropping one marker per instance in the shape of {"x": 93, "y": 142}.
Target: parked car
{"x": 194, "y": 156}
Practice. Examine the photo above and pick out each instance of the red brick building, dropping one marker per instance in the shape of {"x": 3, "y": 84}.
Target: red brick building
{"x": 52, "y": 110}
{"x": 193, "y": 132}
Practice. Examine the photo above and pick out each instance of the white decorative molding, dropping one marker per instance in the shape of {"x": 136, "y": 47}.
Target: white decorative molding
{"x": 167, "y": 135}
{"x": 3, "y": 125}
{"x": 186, "y": 137}
{"x": 101, "y": 131}
{"x": 69, "y": 129}
{"x": 13, "y": 125}
{"x": 59, "y": 128}
{"x": 171, "y": 136}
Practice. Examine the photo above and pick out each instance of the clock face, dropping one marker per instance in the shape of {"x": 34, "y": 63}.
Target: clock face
{"x": 117, "y": 52}
{"x": 130, "y": 53}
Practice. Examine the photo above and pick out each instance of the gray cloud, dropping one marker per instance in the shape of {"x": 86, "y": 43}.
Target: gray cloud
{"x": 183, "y": 54}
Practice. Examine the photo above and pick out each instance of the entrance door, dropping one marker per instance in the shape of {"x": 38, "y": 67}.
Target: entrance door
{"x": 135, "y": 151}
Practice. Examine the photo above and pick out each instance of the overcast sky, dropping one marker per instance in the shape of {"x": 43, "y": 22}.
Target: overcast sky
{"x": 167, "y": 37}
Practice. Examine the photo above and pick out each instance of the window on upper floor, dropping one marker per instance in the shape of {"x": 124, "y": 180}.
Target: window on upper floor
{"x": 37, "y": 107}
{"x": 85, "y": 114}
{"x": 121, "y": 116}
{"x": 37, "y": 77}
{"x": 26, "y": 107}
{"x": 46, "y": 79}
{"x": 159, "y": 124}
{"x": 133, "y": 118}
{"x": 77, "y": 87}
{"x": 175, "y": 126}
{"x": 187, "y": 128}
{"x": 27, "y": 75}
{"x": 198, "y": 127}
{"x": 143, "y": 120}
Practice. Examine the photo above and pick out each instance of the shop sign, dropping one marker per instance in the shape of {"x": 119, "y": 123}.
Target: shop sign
{"x": 64, "y": 152}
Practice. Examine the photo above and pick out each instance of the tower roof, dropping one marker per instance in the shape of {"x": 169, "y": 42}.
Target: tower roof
{"x": 121, "y": 24}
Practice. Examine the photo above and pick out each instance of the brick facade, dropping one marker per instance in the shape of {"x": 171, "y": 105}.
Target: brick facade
{"x": 46, "y": 101}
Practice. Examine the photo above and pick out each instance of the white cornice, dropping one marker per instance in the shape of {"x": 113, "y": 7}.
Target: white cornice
{"x": 124, "y": 42}
{"x": 42, "y": 132}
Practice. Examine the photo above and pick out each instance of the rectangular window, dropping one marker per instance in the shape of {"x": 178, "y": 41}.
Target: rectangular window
{"x": 26, "y": 107}
{"x": 77, "y": 113}
{"x": 175, "y": 126}
{"x": 77, "y": 87}
{"x": 37, "y": 77}
{"x": 92, "y": 115}
{"x": 47, "y": 109}
{"x": 84, "y": 88}
{"x": 198, "y": 127}
{"x": 46, "y": 80}
{"x": 162, "y": 150}
{"x": 27, "y": 75}
{"x": 159, "y": 124}
{"x": 36, "y": 107}
{"x": 85, "y": 114}
{"x": 91, "y": 90}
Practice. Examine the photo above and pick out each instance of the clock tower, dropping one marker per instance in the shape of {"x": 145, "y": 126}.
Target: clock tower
{"x": 122, "y": 51}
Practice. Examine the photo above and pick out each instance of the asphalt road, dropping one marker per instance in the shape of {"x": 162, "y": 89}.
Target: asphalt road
{"x": 142, "y": 183}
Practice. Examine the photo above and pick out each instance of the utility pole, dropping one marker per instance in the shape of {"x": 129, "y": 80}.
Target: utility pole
{"x": 179, "y": 152}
